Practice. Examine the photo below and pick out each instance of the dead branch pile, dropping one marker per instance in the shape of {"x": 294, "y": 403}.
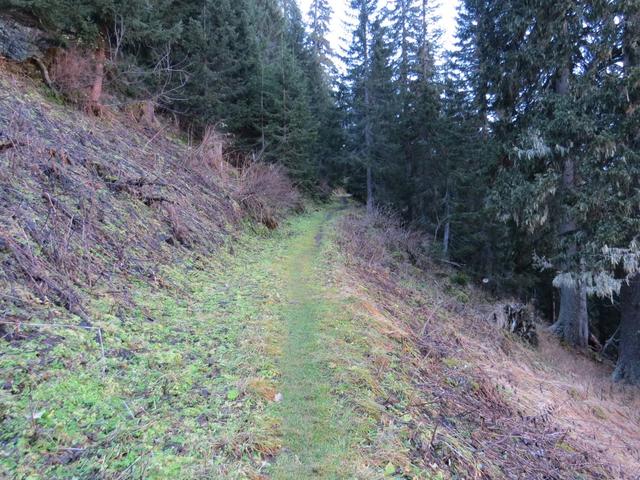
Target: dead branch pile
{"x": 516, "y": 318}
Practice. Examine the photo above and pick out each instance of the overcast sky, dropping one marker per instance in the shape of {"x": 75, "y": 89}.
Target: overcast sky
{"x": 340, "y": 31}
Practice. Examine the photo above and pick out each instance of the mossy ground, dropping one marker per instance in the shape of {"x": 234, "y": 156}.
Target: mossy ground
{"x": 193, "y": 370}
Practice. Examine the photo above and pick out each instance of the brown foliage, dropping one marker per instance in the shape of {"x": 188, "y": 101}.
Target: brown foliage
{"x": 266, "y": 193}
{"x": 73, "y": 72}
{"x": 263, "y": 191}
{"x": 381, "y": 239}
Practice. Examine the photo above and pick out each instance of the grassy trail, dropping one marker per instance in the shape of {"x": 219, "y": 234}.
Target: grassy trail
{"x": 191, "y": 376}
{"x": 313, "y": 426}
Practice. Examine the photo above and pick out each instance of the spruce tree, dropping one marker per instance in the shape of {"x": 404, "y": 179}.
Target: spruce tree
{"x": 384, "y": 147}
{"x": 320, "y": 13}
{"x": 358, "y": 63}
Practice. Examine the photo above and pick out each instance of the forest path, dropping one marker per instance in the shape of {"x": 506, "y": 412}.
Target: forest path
{"x": 314, "y": 425}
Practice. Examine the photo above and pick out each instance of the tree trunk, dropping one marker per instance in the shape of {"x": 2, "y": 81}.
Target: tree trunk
{"x": 98, "y": 79}
{"x": 572, "y": 325}
{"x": 628, "y": 367}
{"x": 369, "y": 190}
{"x": 447, "y": 224}
{"x": 149, "y": 112}
{"x": 573, "y": 321}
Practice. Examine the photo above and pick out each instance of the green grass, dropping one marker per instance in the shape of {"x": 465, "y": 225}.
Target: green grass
{"x": 318, "y": 431}
{"x": 187, "y": 387}
{"x": 165, "y": 405}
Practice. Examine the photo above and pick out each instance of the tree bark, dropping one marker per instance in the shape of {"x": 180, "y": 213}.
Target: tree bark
{"x": 628, "y": 366}
{"x": 369, "y": 190}
{"x": 573, "y": 321}
{"x": 447, "y": 224}
{"x": 98, "y": 80}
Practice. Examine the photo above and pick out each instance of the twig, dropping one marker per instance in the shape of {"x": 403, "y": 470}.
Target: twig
{"x": 449, "y": 262}
{"x": 609, "y": 342}
{"x": 45, "y": 73}
{"x": 433, "y": 434}
{"x": 144, "y": 149}
{"x": 126, "y": 405}
{"x": 121, "y": 475}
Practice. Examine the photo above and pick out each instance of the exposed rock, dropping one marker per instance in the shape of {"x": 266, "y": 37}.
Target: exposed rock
{"x": 20, "y": 42}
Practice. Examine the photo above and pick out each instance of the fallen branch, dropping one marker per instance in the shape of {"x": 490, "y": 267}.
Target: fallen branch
{"x": 10, "y": 144}
{"x": 449, "y": 262}
{"x": 45, "y": 73}
{"x": 610, "y": 342}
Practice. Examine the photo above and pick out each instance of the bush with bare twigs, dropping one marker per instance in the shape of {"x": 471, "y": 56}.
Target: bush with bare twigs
{"x": 380, "y": 238}
{"x": 263, "y": 191}
{"x": 72, "y": 73}
{"x": 266, "y": 193}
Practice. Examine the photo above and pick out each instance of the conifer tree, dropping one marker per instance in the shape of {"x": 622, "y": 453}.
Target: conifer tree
{"x": 322, "y": 73}
{"x": 384, "y": 148}
{"x": 320, "y": 13}
{"x": 111, "y": 28}
{"x": 619, "y": 224}
{"x": 411, "y": 23}
{"x": 358, "y": 69}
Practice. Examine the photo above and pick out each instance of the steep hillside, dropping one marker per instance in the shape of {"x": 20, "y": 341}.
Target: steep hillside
{"x": 91, "y": 203}
{"x": 495, "y": 407}
{"x": 156, "y": 325}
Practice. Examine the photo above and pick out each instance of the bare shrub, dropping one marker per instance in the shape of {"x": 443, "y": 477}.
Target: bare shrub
{"x": 116, "y": 202}
{"x": 263, "y": 191}
{"x": 72, "y": 72}
{"x": 266, "y": 193}
{"x": 380, "y": 238}
{"x": 210, "y": 151}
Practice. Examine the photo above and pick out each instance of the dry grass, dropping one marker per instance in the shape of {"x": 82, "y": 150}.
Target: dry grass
{"x": 88, "y": 201}
{"x": 500, "y": 409}
{"x": 577, "y": 394}
{"x": 265, "y": 389}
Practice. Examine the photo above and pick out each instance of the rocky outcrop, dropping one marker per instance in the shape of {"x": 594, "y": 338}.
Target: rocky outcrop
{"x": 20, "y": 42}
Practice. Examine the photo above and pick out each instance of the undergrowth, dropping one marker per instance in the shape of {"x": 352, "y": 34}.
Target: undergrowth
{"x": 89, "y": 201}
